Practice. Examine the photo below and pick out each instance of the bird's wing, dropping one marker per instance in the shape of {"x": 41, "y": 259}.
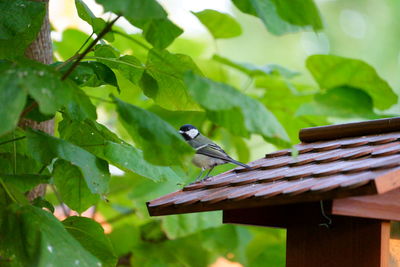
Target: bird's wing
{"x": 214, "y": 151}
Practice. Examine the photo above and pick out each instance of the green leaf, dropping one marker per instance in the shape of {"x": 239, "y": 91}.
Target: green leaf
{"x": 91, "y": 236}
{"x": 163, "y": 80}
{"x": 253, "y": 70}
{"x": 31, "y": 235}
{"x": 20, "y": 22}
{"x": 235, "y": 111}
{"x": 42, "y": 82}
{"x": 220, "y": 25}
{"x": 333, "y": 71}
{"x": 103, "y": 143}
{"x": 161, "y": 144}
{"x": 344, "y": 102}
{"x": 127, "y": 157}
{"x": 176, "y": 226}
{"x": 72, "y": 186}
{"x": 121, "y": 244}
{"x": 40, "y": 202}
{"x": 25, "y": 182}
{"x": 92, "y": 74}
{"x": 13, "y": 98}
{"x": 72, "y": 40}
{"x": 283, "y": 16}
{"x": 45, "y": 148}
{"x": 98, "y": 24}
{"x": 149, "y": 16}
{"x": 129, "y": 66}
{"x": 160, "y": 32}
{"x": 80, "y": 107}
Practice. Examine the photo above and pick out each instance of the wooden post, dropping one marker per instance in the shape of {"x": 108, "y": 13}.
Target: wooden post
{"x": 349, "y": 242}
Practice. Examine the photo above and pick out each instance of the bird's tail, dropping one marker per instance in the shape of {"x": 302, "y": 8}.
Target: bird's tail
{"x": 240, "y": 164}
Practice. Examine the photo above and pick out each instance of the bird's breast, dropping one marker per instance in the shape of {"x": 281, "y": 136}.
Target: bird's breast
{"x": 206, "y": 162}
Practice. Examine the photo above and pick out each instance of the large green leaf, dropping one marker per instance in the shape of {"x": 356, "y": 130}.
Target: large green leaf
{"x": 80, "y": 107}
{"x": 72, "y": 186}
{"x": 45, "y": 148}
{"x": 333, "y": 71}
{"x": 344, "y": 102}
{"x": 13, "y": 98}
{"x": 161, "y": 144}
{"x": 98, "y": 24}
{"x": 235, "y": 111}
{"x": 91, "y": 236}
{"x": 163, "y": 80}
{"x": 283, "y": 16}
{"x": 219, "y": 24}
{"x": 20, "y": 22}
{"x": 32, "y": 236}
{"x": 42, "y": 82}
{"x": 147, "y": 15}
{"x": 101, "y": 142}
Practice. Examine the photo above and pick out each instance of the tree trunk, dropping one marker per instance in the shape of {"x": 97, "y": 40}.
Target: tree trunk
{"x": 40, "y": 50}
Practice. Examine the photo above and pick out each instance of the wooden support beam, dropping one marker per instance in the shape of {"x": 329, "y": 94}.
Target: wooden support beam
{"x": 349, "y": 242}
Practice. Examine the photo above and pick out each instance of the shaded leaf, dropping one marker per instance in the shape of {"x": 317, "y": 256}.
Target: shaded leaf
{"x": 160, "y": 32}
{"x": 92, "y": 74}
{"x": 45, "y": 148}
{"x": 42, "y": 82}
{"x": 333, "y": 71}
{"x": 235, "y": 111}
{"x": 160, "y": 143}
{"x": 345, "y": 102}
{"x": 32, "y": 235}
{"x": 91, "y": 236}
{"x": 20, "y": 22}
{"x": 25, "y": 182}
{"x": 80, "y": 107}
{"x": 220, "y": 25}
{"x": 40, "y": 202}
{"x": 72, "y": 186}
{"x": 166, "y": 85}
{"x": 13, "y": 98}
{"x": 283, "y": 16}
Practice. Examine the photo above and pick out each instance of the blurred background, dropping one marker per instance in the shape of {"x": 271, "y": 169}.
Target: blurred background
{"x": 362, "y": 29}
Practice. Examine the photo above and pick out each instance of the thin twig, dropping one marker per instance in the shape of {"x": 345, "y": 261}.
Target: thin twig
{"x": 28, "y": 109}
{"x": 106, "y": 29}
{"x": 12, "y": 140}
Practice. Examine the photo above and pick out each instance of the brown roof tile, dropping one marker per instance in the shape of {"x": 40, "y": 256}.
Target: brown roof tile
{"x": 342, "y": 167}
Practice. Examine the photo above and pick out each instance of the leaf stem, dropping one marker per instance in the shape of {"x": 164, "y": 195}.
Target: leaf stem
{"x": 8, "y": 191}
{"x": 12, "y": 140}
{"x": 117, "y": 61}
{"x": 106, "y": 29}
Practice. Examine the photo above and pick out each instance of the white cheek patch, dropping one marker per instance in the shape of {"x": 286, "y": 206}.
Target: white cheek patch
{"x": 192, "y": 133}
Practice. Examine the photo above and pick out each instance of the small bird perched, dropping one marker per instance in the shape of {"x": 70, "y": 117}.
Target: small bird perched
{"x": 208, "y": 154}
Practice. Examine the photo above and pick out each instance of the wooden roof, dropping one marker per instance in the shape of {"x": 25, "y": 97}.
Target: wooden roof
{"x": 363, "y": 159}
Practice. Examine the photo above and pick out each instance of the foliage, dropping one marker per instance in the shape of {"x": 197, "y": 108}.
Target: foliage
{"x": 121, "y": 106}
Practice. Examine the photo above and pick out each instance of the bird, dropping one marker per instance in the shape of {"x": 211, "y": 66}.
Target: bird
{"x": 208, "y": 154}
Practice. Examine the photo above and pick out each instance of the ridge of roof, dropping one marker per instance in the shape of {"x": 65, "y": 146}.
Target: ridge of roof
{"x": 353, "y": 129}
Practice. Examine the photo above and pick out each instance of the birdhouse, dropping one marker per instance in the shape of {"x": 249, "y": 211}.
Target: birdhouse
{"x": 336, "y": 195}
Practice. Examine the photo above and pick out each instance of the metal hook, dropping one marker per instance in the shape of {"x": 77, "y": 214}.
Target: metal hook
{"x": 329, "y": 220}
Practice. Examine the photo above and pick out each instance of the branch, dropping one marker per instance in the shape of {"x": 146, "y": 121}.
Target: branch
{"x": 106, "y": 29}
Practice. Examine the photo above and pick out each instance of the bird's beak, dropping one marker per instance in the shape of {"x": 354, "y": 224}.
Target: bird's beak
{"x": 181, "y": 132}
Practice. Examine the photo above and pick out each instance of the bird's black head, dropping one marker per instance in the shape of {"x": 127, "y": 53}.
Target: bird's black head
{"x": 189, "y": 132}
